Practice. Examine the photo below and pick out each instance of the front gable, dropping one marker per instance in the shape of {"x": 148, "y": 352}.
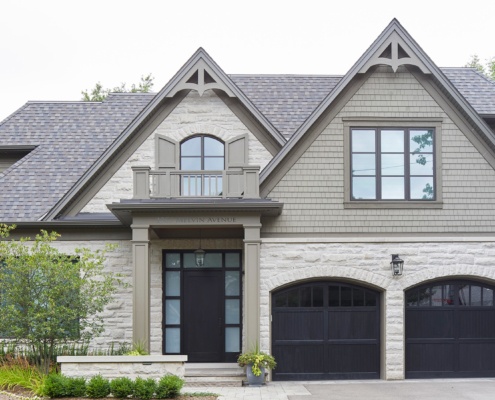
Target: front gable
{"x": 194, "y": 115}
{"x": 215, "y": 104}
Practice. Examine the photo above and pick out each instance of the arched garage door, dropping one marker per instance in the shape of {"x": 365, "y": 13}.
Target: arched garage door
{"x": 326, "y": 330}
{"x": 450, "y": 330}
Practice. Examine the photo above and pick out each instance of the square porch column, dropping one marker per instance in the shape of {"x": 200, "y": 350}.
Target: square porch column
{"x": 141, "y": 285}
{"x": 252, "y": 244}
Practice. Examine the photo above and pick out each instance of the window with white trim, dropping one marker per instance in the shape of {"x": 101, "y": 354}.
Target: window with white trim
{"x": 392, "y": 164}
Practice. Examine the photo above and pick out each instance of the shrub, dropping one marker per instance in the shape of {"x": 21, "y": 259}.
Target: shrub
{"x": 122, "y": 387}
{"x": 169, "y": 387}
{"x": 98, "y": 387}
{"x": 56, "y": 386}
{"x": 76, "y": 387}
{"x": 144, "y": 388}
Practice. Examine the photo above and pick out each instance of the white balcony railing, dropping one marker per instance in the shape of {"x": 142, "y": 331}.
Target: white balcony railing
{"x": 239, "y": 183}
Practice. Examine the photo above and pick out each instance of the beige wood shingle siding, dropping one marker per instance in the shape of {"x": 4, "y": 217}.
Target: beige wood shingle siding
{"x": 313, "y": 190}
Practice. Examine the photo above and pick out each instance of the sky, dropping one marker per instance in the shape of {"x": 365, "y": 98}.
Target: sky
{"x": 54, "y": 49}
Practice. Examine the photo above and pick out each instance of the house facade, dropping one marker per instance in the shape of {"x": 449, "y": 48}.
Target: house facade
{"x": 264, "y": 210}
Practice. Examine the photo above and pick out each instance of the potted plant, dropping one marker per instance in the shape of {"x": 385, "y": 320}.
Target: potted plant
{"x": 256, "y": 362}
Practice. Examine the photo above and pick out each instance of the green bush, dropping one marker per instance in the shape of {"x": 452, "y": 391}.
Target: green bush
{"x": 144, "y": 388}
{"x": 169, "y": 387}
{"x": 98, "y": 387}
{"x": 56, "y": 386}
{"x": 76, "y": 387}
{"x": 122, "y": 387}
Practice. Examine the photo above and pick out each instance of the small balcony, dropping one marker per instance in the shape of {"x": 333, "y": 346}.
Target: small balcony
{"x": 237, "y": 183}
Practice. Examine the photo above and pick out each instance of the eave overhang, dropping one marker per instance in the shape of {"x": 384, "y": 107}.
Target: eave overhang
{"x": 125, "y": 209}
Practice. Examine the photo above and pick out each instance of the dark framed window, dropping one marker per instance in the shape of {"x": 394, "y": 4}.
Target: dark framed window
{"x": 202, "y": 153}
{"x": 392, "y": 164}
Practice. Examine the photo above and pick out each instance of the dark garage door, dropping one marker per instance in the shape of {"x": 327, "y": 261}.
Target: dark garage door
{"x": 326, "y": 330}
{"x": 450, "y": 330}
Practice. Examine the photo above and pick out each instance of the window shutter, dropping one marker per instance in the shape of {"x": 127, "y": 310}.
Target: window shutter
{"x": 236, "y": 152}
{"x": 236, "y": 157}
{"x": 167, "y": 158}
{"x": 167, "y": 153}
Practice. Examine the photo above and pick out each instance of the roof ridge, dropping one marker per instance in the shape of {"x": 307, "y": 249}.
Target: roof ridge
{"x": 288, "y": 75}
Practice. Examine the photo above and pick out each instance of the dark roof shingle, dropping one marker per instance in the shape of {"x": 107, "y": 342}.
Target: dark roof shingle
{"x": 69, "y": 137}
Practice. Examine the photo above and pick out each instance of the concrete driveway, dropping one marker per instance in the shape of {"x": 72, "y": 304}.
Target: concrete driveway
{"x": 468, "y": 389}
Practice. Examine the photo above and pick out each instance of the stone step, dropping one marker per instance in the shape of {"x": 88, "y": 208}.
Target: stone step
{"x": 213, "y": 374}
{"x": 214, "y": 384}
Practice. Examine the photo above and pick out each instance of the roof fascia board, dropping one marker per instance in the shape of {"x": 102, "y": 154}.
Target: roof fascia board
{"x": 121, "y": 150}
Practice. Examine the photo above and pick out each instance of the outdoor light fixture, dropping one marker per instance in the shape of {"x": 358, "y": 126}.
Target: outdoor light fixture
{"x": 199, "y": 254}
{"x": 397, "y": 264}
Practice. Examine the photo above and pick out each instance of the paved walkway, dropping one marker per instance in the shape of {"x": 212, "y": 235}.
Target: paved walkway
{"x": 430, "y": 389}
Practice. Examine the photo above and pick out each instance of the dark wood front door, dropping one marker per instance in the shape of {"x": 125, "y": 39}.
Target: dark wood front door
{"x": 203, "y": 312}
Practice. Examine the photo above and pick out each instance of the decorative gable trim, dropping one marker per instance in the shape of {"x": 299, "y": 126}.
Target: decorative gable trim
{"x": 144, "y": 123}
{"x": 200, "y": 78}
{"x": 394, "y": 52}
{"x": 283, "y": 161}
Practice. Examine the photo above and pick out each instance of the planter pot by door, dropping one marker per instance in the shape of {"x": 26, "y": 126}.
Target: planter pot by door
{"x": 252, "y": 379}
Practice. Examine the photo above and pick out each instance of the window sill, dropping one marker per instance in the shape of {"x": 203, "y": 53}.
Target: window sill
{"x": 393, "y": 204}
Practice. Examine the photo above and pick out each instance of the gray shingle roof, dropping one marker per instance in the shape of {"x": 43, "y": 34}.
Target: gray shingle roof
{"x": 477, "y": 89}
{"x": 286, "y": 100}
{"x": 70, "y": 136}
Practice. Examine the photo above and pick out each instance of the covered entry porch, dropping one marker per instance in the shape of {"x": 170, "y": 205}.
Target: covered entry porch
{"x": 208, "y": 311}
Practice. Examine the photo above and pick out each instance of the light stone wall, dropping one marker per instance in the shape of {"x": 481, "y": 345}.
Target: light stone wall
{"x": 313, "y": 190}
{"x": 120, "y": 366}
{"x": 118, "y": 314}
{"x": 368, "y": 264}
{"x": 196, "y": 114}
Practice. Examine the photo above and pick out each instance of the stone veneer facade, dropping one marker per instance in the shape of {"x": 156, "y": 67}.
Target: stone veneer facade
{"x": 366, "y": 262}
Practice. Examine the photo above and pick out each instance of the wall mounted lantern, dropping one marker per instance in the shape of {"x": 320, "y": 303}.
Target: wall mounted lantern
{"x": 396, "y": 265}
{"x": 199, "y": 254}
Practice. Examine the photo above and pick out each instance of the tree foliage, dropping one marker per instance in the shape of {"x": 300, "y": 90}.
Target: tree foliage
{"x": 98, "y": 93}
{"x": 48, "y": 298}
{"x": 487, "y": 69}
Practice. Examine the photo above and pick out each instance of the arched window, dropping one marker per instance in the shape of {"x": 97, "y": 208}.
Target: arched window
{"x": 202, "y": 153}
